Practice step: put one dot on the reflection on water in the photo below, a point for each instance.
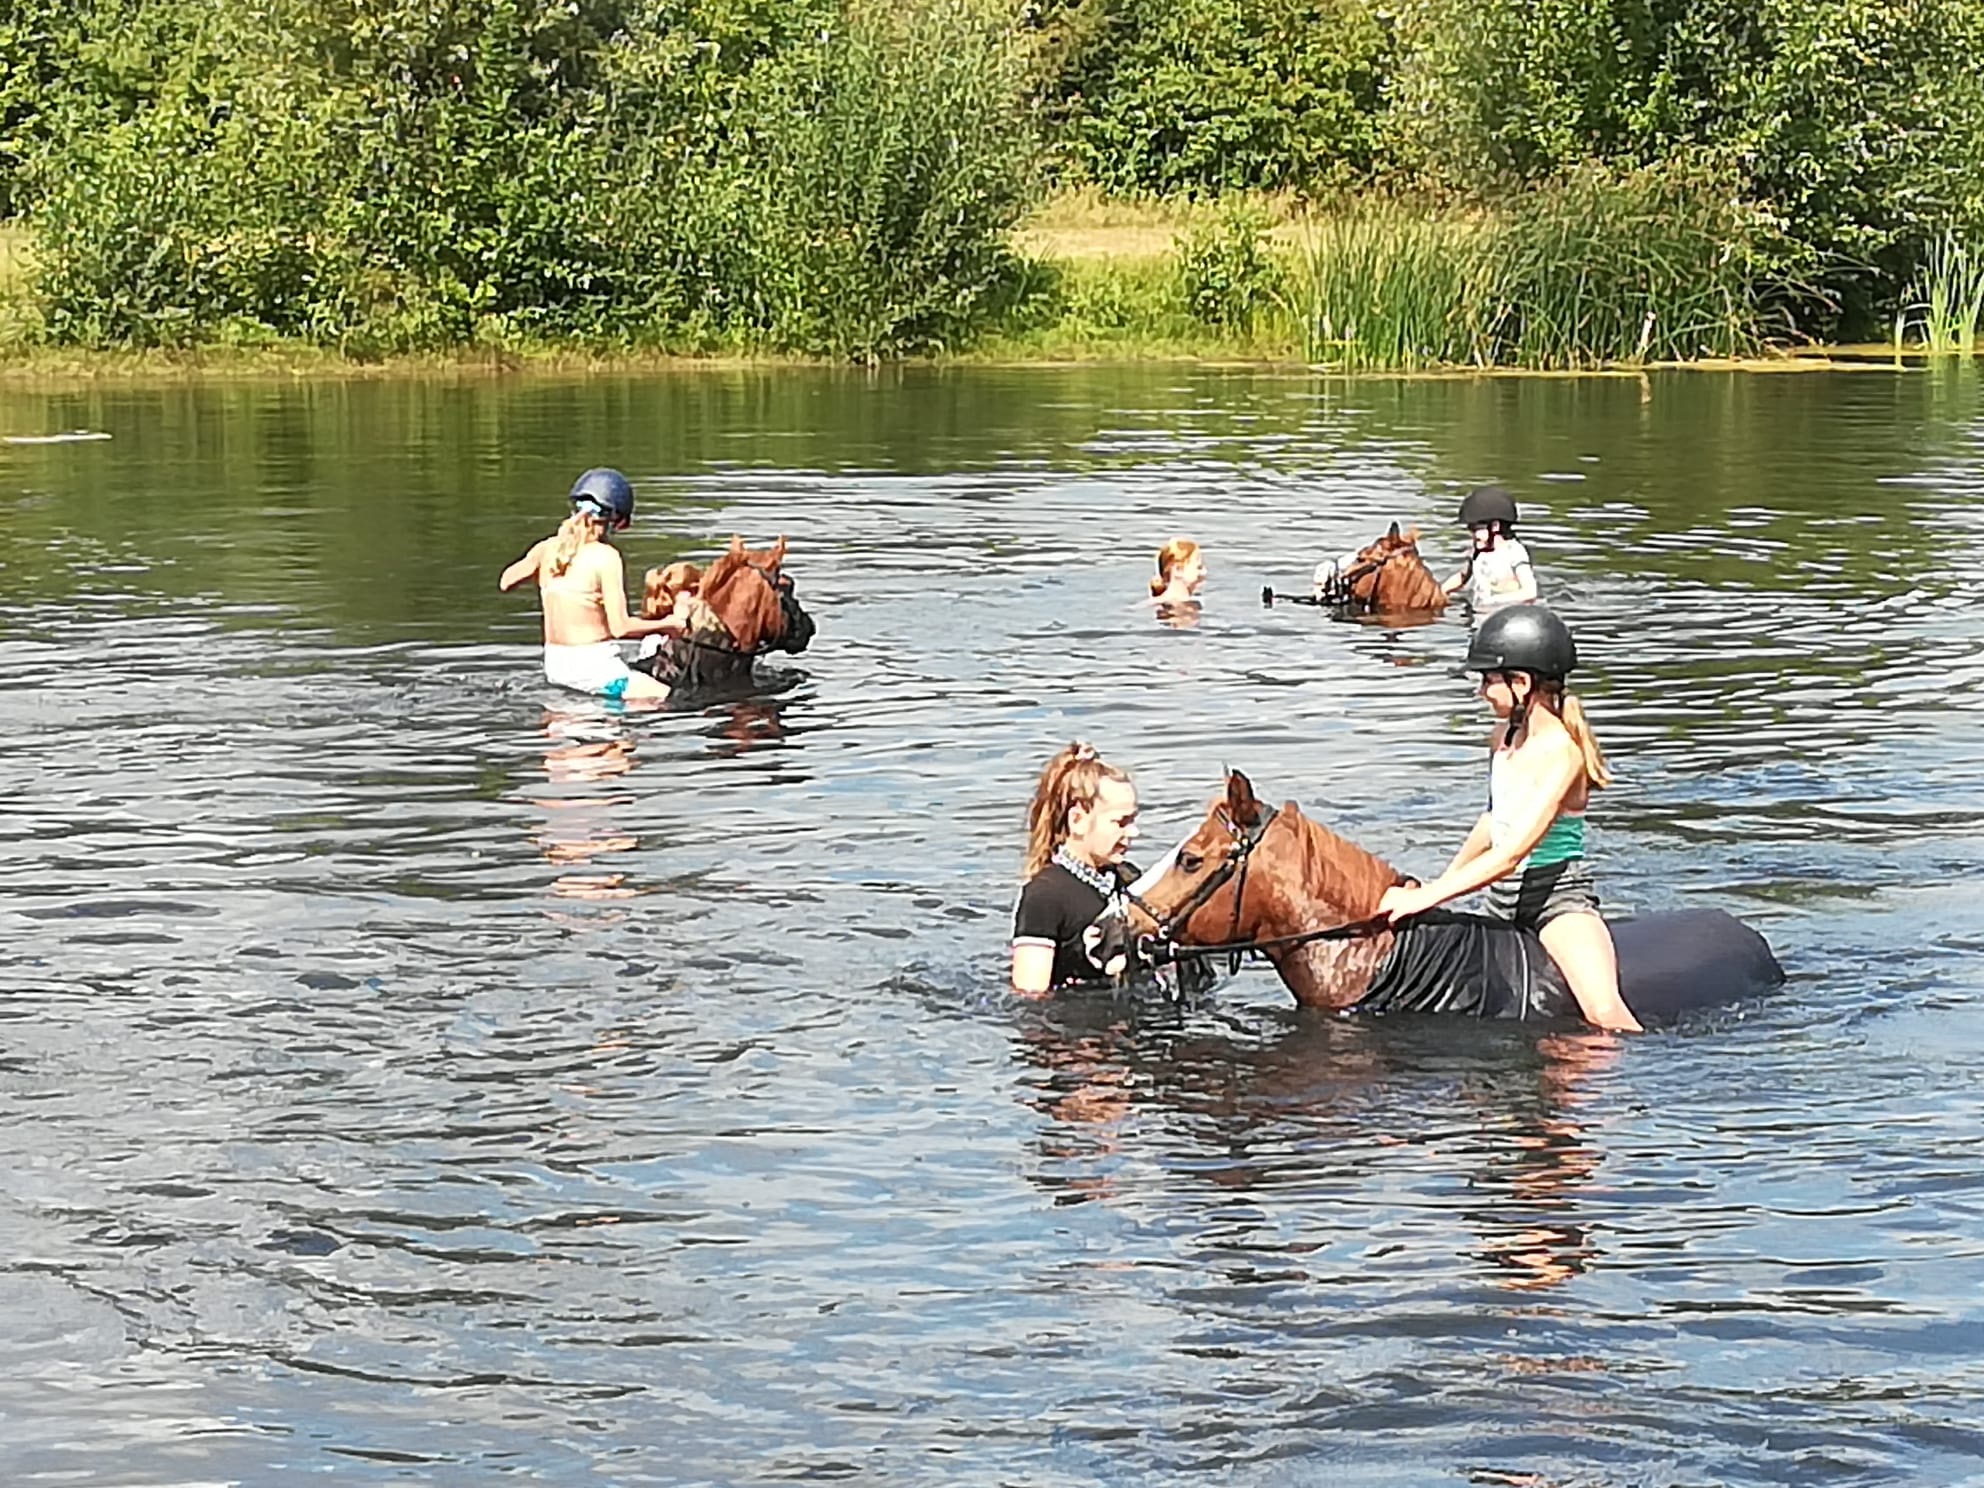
(411, 1074)
(578, 826)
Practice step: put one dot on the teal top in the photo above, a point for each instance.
(1561, 843)
(1564, 841)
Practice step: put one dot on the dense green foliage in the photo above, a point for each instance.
(841, 176)
(1212, 95)
(1858, 125)
(393, 174)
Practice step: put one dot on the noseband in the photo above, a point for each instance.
(1337, 591)
(1235, 862)
(1161, 945)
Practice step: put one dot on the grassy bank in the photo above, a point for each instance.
(1597, 276)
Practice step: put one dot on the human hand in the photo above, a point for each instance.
(1403, 901)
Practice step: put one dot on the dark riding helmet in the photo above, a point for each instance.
(1485, 504)
(605, 494)
(1523, 638)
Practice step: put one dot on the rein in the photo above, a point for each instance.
(733, 649)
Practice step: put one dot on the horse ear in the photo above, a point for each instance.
(1412, 536)
(1240, 801)
(736, 543)
(1394, 532)
(778, 551)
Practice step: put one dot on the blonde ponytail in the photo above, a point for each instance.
(574, 533)
(1597, 773)
(1073, 777)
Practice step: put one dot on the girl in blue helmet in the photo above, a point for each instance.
(582, 585)
(1527, 848)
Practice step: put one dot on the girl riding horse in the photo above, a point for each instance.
(1527, 848)
(582, 586)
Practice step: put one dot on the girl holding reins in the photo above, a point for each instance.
(1527, 848)
(582, 585)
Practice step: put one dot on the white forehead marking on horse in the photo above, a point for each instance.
(1156, 871)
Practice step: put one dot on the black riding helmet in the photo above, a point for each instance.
(1523, 638)
(1485, 504)
(606, 494)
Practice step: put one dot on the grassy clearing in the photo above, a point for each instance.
(1085, 225)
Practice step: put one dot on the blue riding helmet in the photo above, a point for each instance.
(605, 494)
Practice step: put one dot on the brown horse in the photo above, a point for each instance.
(1252, 875)
(1259, 879)
(1386, 578)
(748, 609)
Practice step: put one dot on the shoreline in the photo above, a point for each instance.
(66, 368)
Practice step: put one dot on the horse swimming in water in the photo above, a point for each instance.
(1252, 878)
(748, 608)
(1386, 579)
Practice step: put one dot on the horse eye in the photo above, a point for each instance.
(1190, 862)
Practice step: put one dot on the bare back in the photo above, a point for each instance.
(574, 602)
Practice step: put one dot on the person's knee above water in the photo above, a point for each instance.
(582, 586)
(1081, 823)
(1498, 570)
(1527, 848)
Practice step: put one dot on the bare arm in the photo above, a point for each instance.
(524, 568)
(1033, 968)
(1474, 847)
(613, 602)
(1525, 590)
(1466, 874)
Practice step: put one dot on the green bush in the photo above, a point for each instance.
(883, 170)
(1858, 125)
(398, 174)
(1219, 95)
(1227, 275)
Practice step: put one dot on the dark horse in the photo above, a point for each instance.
(1252, 878)
(748, 608)
(1387, 579)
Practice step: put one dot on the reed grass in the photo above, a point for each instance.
(1945, 301)
(1387, 288)
(1590, 270)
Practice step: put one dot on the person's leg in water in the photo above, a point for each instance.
(1581, 946)
(643, 688)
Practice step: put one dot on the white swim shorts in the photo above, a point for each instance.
(596, 669)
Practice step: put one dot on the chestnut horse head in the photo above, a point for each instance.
(742, 587)
(1388, 577)
(1251, 875)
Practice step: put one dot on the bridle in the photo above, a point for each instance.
(1338, 591)
(1161, 945)
(733, 649)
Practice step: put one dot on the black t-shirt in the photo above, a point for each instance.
(1056, 908)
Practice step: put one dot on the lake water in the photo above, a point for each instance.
(408, 1074)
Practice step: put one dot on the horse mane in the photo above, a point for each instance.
(1401, 580)
(1335, 869)
(740, 585)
